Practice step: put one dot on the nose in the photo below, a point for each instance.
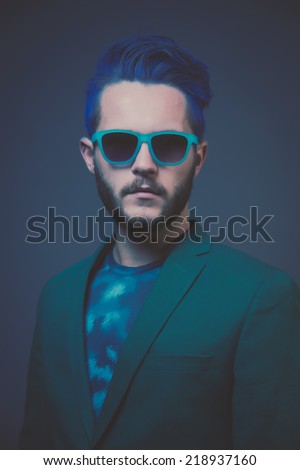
(144, 163)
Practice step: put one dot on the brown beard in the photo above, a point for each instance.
(172, 207)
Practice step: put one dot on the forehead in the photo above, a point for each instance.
(143, 107)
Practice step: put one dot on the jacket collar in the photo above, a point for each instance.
(77, 296)
(179, 272)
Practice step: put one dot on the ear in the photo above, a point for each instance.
(87, 151)
(201, 151)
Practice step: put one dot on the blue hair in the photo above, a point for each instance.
(150, 59)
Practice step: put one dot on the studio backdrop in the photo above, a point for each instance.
(49, 51)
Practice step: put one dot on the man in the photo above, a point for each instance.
(159, 341)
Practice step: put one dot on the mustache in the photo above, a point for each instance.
(137, 184)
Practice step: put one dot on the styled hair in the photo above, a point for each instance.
(150, 59)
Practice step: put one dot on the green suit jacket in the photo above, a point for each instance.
(212, 361)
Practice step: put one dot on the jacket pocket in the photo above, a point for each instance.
(184, 363)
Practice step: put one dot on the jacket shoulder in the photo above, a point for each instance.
(236, 260)
(65, 283)
(246, 271)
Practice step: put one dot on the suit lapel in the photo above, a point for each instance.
(181, 269)
(76, 307)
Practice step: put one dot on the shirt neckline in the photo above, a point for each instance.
(122, 269)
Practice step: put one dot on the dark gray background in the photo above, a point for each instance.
(49, 50)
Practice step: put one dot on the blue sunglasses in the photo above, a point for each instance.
(120, 147)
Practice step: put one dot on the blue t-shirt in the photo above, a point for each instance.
(116, 295)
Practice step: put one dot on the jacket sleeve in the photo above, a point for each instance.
(266, 398)
(34, 433)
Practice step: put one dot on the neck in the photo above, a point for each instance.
(140, 248)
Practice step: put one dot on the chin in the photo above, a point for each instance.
(149, 218)
(146, 212)
(142, 219)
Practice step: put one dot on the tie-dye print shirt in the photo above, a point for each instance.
(116, 296)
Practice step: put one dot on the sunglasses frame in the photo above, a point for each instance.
(141, 138)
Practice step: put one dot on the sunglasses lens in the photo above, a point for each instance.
(169, 148)
(119, 147)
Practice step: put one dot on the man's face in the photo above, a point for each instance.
(144, 108)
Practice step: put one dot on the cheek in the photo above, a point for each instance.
(110, 175)
(173, 177)
(103, 166)
(119, 178)
(186, 171)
